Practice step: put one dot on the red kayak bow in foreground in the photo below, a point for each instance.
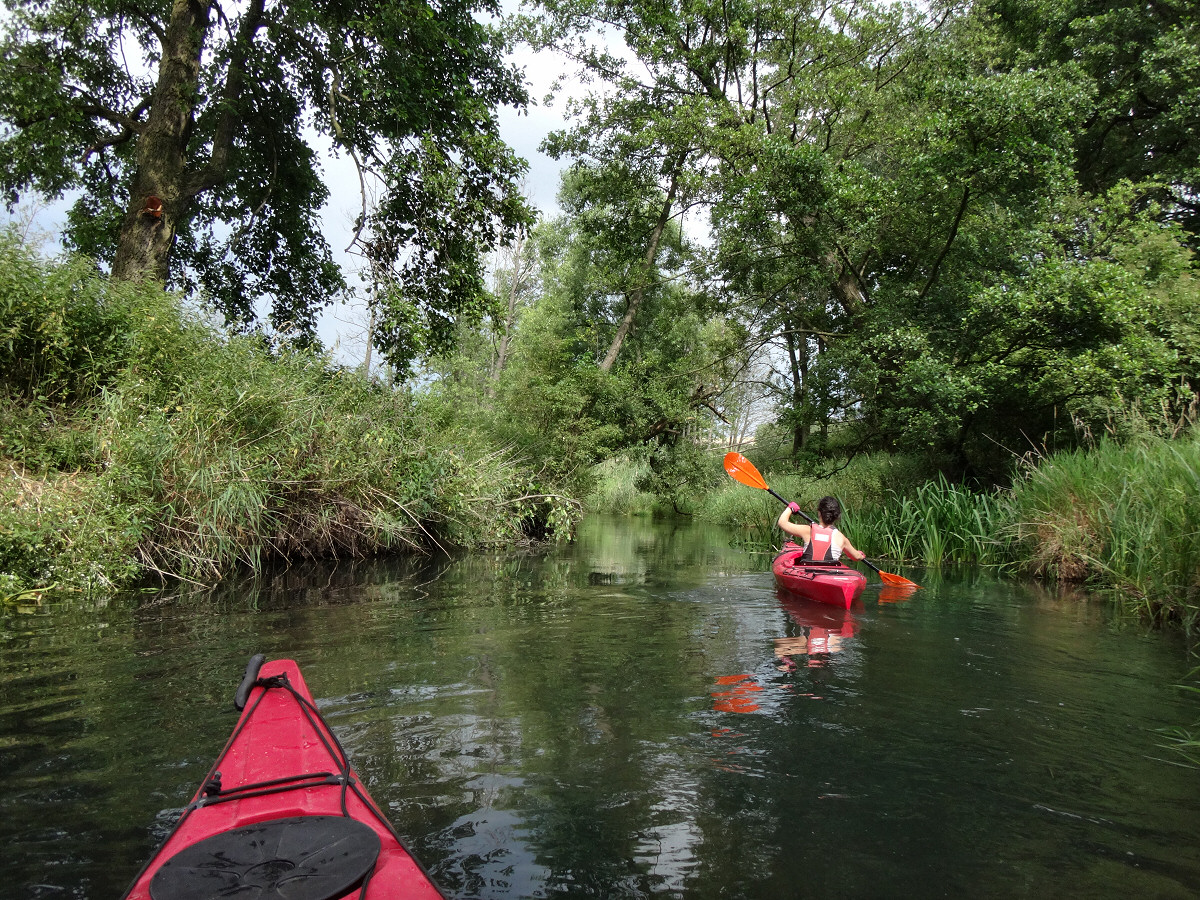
(282, 814)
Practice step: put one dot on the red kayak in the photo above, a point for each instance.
(825, 582)
(282, 814)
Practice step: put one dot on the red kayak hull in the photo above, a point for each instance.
(838, 585)
(283, 762)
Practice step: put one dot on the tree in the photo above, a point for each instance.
(883, 180)
(646, 126)
(187, 131)
(513, 286)
(1141, 63)
(554, 402)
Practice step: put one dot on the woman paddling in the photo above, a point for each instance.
(821, 542)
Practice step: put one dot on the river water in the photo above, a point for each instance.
(636, 714)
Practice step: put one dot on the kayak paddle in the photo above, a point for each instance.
(741, 469)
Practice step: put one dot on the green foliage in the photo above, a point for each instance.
(193, 451)
(61, 531)
(66, 333)
(862, 483)
(211, 109)
(1022, 334)
(254, 455)
(937, 524)
(1140, 64)
(925, 219)
(1125, 515)
(552, 403)
(616, 487)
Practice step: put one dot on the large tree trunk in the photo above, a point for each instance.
(161, 195)
(797, 343)
(639, 289)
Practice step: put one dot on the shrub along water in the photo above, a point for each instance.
(143, 440)
(1123, 515)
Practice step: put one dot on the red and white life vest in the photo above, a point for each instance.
(820, 545)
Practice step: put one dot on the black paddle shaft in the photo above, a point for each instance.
(806, 516)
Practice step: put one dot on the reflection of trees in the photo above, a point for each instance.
(527, 726)
(576, 704)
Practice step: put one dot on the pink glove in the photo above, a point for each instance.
(794, 507)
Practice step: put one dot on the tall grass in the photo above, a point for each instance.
(257, 455)
(937, 524)
(889, 508)
(1125, 516)
(191, 451)
(863, 481)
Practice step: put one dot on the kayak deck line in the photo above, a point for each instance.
(282, 813)
(300, 782)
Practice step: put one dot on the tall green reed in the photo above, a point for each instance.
(1124, 516)
(938, 523)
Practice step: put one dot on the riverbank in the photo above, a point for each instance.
(1121, 516)
(139, 440)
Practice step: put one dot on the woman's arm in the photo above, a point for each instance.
(804, 532)
(849, 549)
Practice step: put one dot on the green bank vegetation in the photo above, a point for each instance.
(894, 245)
(137, 439)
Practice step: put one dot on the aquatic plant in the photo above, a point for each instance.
(1186, 741)
(1125, 516)
(938, 523)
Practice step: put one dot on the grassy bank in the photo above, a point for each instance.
(136, 439)
(1119, 516)
(1126, 516)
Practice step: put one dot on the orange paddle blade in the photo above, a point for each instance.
(898, 580)
(741, 469)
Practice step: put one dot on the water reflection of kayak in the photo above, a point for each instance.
(826, 582)
(823, 630)
(282, 813)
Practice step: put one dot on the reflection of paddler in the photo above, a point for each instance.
(824, 629)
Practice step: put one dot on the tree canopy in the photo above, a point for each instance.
(932, 221)
(188, 133)
(953, 228)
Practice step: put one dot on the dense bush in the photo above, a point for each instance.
(142, 440)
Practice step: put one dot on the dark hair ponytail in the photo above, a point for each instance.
(830, 511)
